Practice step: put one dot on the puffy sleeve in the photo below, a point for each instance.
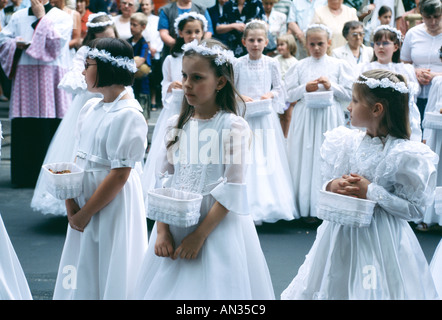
(405, 180)
(127, 140)
(73, 81)
(232, 191)
(336, 151)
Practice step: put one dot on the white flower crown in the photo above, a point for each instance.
(192, 14)
(257, 21)
(383, 83)
(91, 24)
(222, 55)
(389, 28)
(105, 56)
(320, 26)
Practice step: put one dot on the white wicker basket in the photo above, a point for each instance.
(345, 210)
(318, 99)
(63, 185)
(432, 120)
(174, 207)
(258, 108)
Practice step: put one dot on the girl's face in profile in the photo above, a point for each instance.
(192, 30)
(199, 82)
(90, 74)
(360, 113)
(317, 43)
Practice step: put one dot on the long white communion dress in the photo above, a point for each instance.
(407, 70)
(269, 189)
(13, 283)
(172, 71)
(433, 135)
(62, 147)
(230, 264)
(383, 260)
(103, 261)
(311, 120)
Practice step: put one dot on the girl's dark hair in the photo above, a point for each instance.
(226, 98)
(380, 34)
(430, 7)
(91, 32)
(349, 25)
(383, 10)
(396, 110)
(107, 73)
(177, 47)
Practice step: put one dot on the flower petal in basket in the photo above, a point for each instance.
(174, 207)
(318, 99)
(345, 210)
(63, 185)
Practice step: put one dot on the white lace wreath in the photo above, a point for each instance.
(320, 26)
(91, 24)
(120, 62)
(383, 83)
(389, 28)
(222, 55)
(262, 22)
(192, 14)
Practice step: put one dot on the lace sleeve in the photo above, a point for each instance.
(405, 180)
(232, 192)
(127, 139)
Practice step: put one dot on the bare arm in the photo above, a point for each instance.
(105, 193)
(191, 245)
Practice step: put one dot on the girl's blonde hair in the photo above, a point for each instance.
(255, 25)
(396, 110)
(290, 41)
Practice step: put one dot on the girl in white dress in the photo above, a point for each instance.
(286, 46)
(433, 133)
(13, 283)
(387, 47)
(432, 136)
(380, 166)
(62, 148)
(321, 85)
(258, 80)
(189, 26)
(107, 233)
(220, 256)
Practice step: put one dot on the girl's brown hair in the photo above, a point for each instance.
(389, 35)
(396, 109)
(227, 98)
